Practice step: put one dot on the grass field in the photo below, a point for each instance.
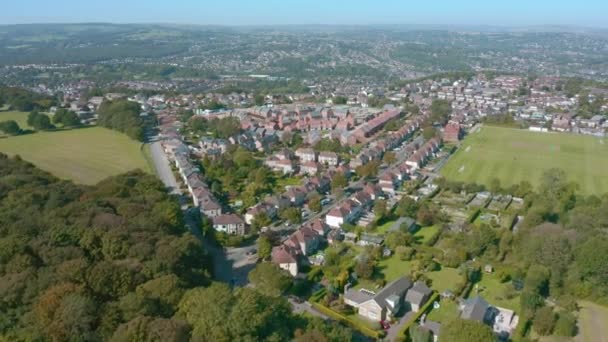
(19, 117)
(85, 155)
(492, 290)
(445, 279)
(514, 155)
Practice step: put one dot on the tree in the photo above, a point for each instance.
(440, 111)
(339, 181)
(10, 127)
(368, 170)
(396, 238)
(260, 221)
(67, 118)
(565, 325)
(264, 247)
(259, 99)
(460, 330)
(364, 267)
(145, 328)
(495, 185)
(122, 115)
(429, 132)
(292, 215)
(404, 253)
(544, 320)
(591, 259)
(427, 214)
(315, 204)
(380, 209)
(418, 334)
(269, 279)
(389, 157)
(407, 207)
(39, 121)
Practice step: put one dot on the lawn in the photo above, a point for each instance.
(514, 155)
(388, 269)
(448, 309)
(85, 155)
(592, 322)
(492, 290)
(19, 117)
(445, 279)
(426, 233)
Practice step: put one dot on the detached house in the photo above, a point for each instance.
(382, 305)
(285, 260)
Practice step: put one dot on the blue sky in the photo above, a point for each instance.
(271, 12)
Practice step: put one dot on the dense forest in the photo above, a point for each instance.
(114, 262)
(123, 116)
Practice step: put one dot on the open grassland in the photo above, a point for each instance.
(514, 155)
(19, 117)
(85, 155)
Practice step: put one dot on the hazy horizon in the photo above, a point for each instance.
(473, 13)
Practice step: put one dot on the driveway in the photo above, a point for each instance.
(393, 331)
(305, 307)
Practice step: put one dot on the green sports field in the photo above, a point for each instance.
(85, 155)
(514, 155)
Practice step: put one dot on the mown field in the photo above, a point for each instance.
(85, 155)
(514, 155)
(19, 117)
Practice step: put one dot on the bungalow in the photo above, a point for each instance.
(379, 306)
(229, 223)
(502, 321)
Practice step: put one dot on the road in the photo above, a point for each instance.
(163, 168)
(231, 267)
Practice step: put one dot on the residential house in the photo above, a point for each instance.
(329, 158)
(452, 132)
(285, 259)
(229, 223)
(417, 295)
(306, 155)
(309, 168)
(382, 305)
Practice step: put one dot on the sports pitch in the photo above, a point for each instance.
(514, 155)
(85, 155)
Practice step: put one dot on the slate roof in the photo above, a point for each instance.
(475, 309)
(418, 293)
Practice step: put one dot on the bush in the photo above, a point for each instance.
(405, 253)
(565, 325)
(343, 319)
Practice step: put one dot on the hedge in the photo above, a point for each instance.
(317, 295)
(425, 308)
(343, 319)
(473, 215)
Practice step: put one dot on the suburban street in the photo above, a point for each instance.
(163, 168)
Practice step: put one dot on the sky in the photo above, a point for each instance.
(589, 13)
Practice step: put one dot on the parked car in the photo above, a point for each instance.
(385, 325)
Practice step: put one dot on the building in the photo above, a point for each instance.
(452, 132)
(418, 295)
(285, 259)
(229, 223)
(306, 155)
(329, 158)
(382, 305)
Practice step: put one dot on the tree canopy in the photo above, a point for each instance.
(122, 115)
